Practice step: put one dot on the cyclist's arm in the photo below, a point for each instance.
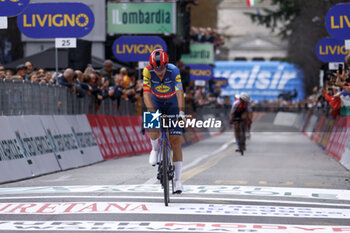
(147, 96)
(179, 93)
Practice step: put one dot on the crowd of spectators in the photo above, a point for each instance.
(334, 97)
(125, 84)
(102, 84)
(206, 35)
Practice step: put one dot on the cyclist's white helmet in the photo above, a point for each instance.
(245, 97)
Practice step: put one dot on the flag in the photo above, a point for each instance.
(251, 2)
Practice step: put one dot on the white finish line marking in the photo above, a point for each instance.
(329, 194)
(155, 226)
(60, 208)
(181, 198)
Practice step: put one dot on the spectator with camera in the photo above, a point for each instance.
(67, 80)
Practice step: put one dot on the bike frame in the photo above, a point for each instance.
(164, 160)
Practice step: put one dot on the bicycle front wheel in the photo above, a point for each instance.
(165, 175)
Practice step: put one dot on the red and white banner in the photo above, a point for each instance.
(119, 121)
(339, 136)
(100, 137)
(118, 137)
(107, 132)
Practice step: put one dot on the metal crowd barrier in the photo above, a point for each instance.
(19, 97)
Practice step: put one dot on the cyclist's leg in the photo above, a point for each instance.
(154, 136)
(236, 123)
(175, 143)
(245, 117)
(250, 121)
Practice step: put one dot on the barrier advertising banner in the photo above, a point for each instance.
(12, 7)
(331, 50)
(64, 143)
(13, 163)
(118, 137)
(145, 146)
(338, 138)
(329, 126)
(136, 48)
(141, 18)
(35, 144)
(338, 21)
(260, 79)
(100, 137)
(107, 132)
(345, 158)
(56, 20)
(85, 138)
(122, 127)
(129, 129)
(310, 126)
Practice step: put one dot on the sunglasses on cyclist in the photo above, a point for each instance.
(160, 68)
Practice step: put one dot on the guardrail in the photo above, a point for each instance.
(19, 97)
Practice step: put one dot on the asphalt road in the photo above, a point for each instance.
(283, 183)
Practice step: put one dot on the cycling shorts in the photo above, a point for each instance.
(170, 108)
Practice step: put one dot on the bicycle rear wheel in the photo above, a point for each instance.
(241, 138)
(165, 175)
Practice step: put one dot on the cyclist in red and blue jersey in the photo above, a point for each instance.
(241, 109)
(162, 90)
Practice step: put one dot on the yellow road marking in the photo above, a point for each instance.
(199, 169)
(232, 182)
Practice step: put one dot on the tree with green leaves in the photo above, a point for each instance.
(302, 24)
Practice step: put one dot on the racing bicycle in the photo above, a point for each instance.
(241, 135)
(166, 166)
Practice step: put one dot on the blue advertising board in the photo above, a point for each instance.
(331, 50)
(338, 21)
(136, 48)
(200, 72)
(223, 82)
(12, 7)
(261, 80)
(56, 20)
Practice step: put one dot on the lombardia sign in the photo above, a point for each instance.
(141, 18)
(53, 20)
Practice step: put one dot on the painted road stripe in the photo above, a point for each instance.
(329, 194)
(180, 198)
(170, 226)
(60, 208)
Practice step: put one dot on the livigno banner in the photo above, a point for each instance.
(12, 7)
(136, 48)
(331, 50)
(202, 53)
(338, 21)
(141, 18)
(56, 20)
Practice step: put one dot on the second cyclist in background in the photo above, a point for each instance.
(241, 111)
